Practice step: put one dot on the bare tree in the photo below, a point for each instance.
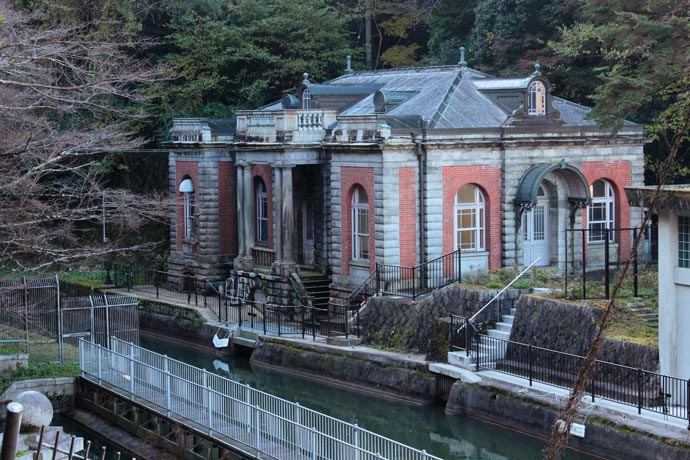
(67, 101)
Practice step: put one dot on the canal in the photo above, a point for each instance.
(423, 427)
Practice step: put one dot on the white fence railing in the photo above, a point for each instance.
(261, 421)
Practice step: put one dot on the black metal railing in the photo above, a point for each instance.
(365, 290)
(627, 385)
(464, 335)
(410, 281)
(190, 289)
(272, 319)
(591, 258)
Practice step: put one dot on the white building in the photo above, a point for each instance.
(674, 275)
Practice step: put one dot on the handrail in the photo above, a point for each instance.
(298, 288)
(359, 289)
(418, 285)
(473, 317)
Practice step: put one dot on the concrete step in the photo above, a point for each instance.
(460, 359)
(504, 327)
(244, 341)
(499, 334)
(641, 310)
(513, 311)
(508, 318)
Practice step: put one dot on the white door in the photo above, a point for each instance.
(535, 226)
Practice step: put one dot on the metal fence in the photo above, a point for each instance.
(29, 316)
(187, 288)
(97, 318)
(634, 387)
(410, 281)
(592, 258)
(307, 321)
(226, 408)
(36, 319)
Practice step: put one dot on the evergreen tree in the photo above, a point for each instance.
(245, 53)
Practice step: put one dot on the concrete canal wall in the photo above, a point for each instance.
(608, 434)
(420, 329)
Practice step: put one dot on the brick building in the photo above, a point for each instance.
(400, 167)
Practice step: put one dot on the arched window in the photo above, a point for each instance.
(469, 218)
(187, 190)
(360, 224)
(261, 212)
(306, 99)
(537, 98)
(601, 213)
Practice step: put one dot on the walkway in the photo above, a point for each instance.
(650, 422)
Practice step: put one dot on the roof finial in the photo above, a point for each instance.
(537, 72)
(305, 77)
(462, 62)
(348, 69)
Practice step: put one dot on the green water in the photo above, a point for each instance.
(422, 427)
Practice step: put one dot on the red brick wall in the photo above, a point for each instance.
(184, 169)
(617, 173)
(408, 216)
(349, 177)
(227, 208)
(266, 174)
(488, 178)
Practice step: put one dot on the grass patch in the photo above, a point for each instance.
(39, 371)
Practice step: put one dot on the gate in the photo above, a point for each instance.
(28, 316)
(97, 318)
(36, 319)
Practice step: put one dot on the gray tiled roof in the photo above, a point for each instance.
(446, 97)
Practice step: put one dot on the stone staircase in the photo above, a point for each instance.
(318, 288)
(502, 331)
(646, 313)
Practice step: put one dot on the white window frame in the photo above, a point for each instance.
(537, 98)
(187, 190)
(360, 233)
(261, 212)
(607, 205)
(683, 241)
(306, 99)
(476, 210)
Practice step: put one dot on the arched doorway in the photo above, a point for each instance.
(546, 207)
(535, 231)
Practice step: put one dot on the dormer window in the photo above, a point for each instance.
(537, 98)
(306, 99)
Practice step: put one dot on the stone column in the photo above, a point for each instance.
(288, 216)
(242, 247)
(278, 225)
(249, 211)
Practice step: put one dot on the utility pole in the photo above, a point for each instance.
(367, 32)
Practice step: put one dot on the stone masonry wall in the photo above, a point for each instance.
(413, 325)
(570, 328)
(422, 326)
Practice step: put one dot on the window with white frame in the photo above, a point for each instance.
(470, 223)
(360, 224)
(306, 99)
(537, 98)
(261, 212)
(601, 214)
(187, 190)
(684, 241)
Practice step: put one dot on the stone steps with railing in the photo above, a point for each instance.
(485, 350)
